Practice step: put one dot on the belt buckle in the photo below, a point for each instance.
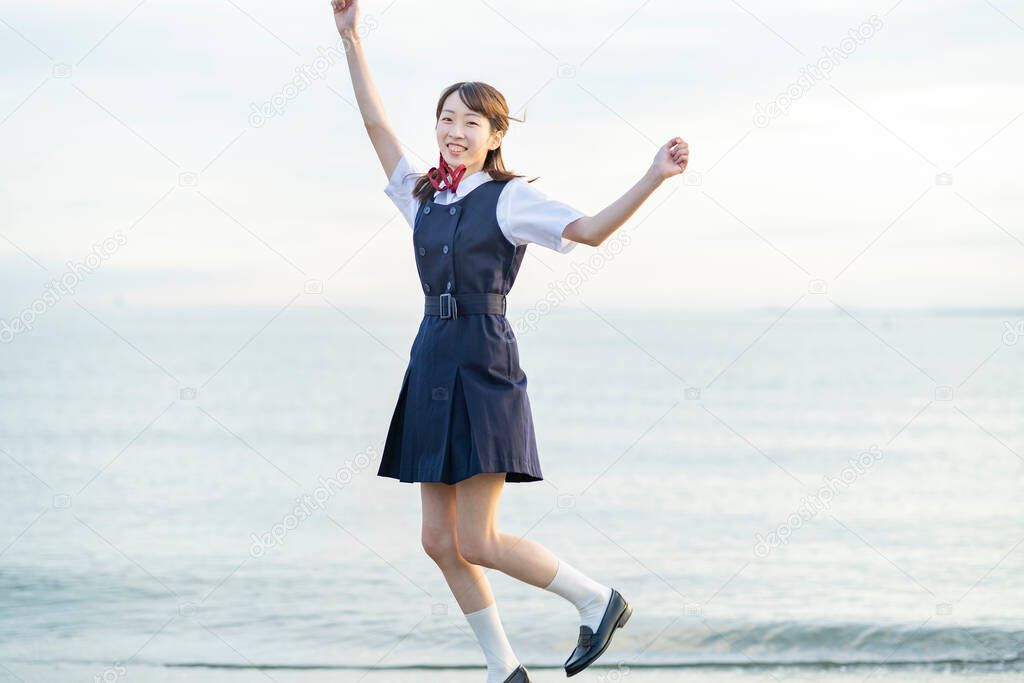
(453, 307)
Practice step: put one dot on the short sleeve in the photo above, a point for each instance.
(526, 214)
(400, 187)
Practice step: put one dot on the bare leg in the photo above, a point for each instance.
(467, 581)
(482, 543)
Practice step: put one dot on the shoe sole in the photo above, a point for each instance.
(623, 618)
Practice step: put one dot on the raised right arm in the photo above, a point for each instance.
(385, 142)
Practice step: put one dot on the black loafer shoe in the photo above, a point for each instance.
(518, 676)
(592, 645)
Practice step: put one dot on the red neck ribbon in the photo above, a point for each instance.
(444, 176)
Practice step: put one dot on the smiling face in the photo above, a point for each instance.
(464, 136)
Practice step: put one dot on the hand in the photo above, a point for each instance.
(346, 13)
(671, 159)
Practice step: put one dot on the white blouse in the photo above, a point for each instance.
(524, 213)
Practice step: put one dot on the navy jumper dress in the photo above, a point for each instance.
(463, 407)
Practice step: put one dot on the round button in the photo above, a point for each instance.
(445, 248)
(426, 209)
(422, 251)
(452, 211)
(426, 287)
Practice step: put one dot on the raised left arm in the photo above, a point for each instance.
(670, 160)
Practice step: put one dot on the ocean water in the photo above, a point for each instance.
(811, 495)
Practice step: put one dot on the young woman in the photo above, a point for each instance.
(462, 425)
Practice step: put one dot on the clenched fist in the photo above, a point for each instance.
(346, 13)
(671, 159)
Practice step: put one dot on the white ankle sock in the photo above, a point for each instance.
(501, 661)
(590, 597)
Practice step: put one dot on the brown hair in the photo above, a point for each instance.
(487, 101)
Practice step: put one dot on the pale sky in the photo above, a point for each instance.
(104, 105)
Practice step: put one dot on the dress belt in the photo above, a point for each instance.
(449, 305)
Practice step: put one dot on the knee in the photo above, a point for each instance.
(439, 545)
(479, 550)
